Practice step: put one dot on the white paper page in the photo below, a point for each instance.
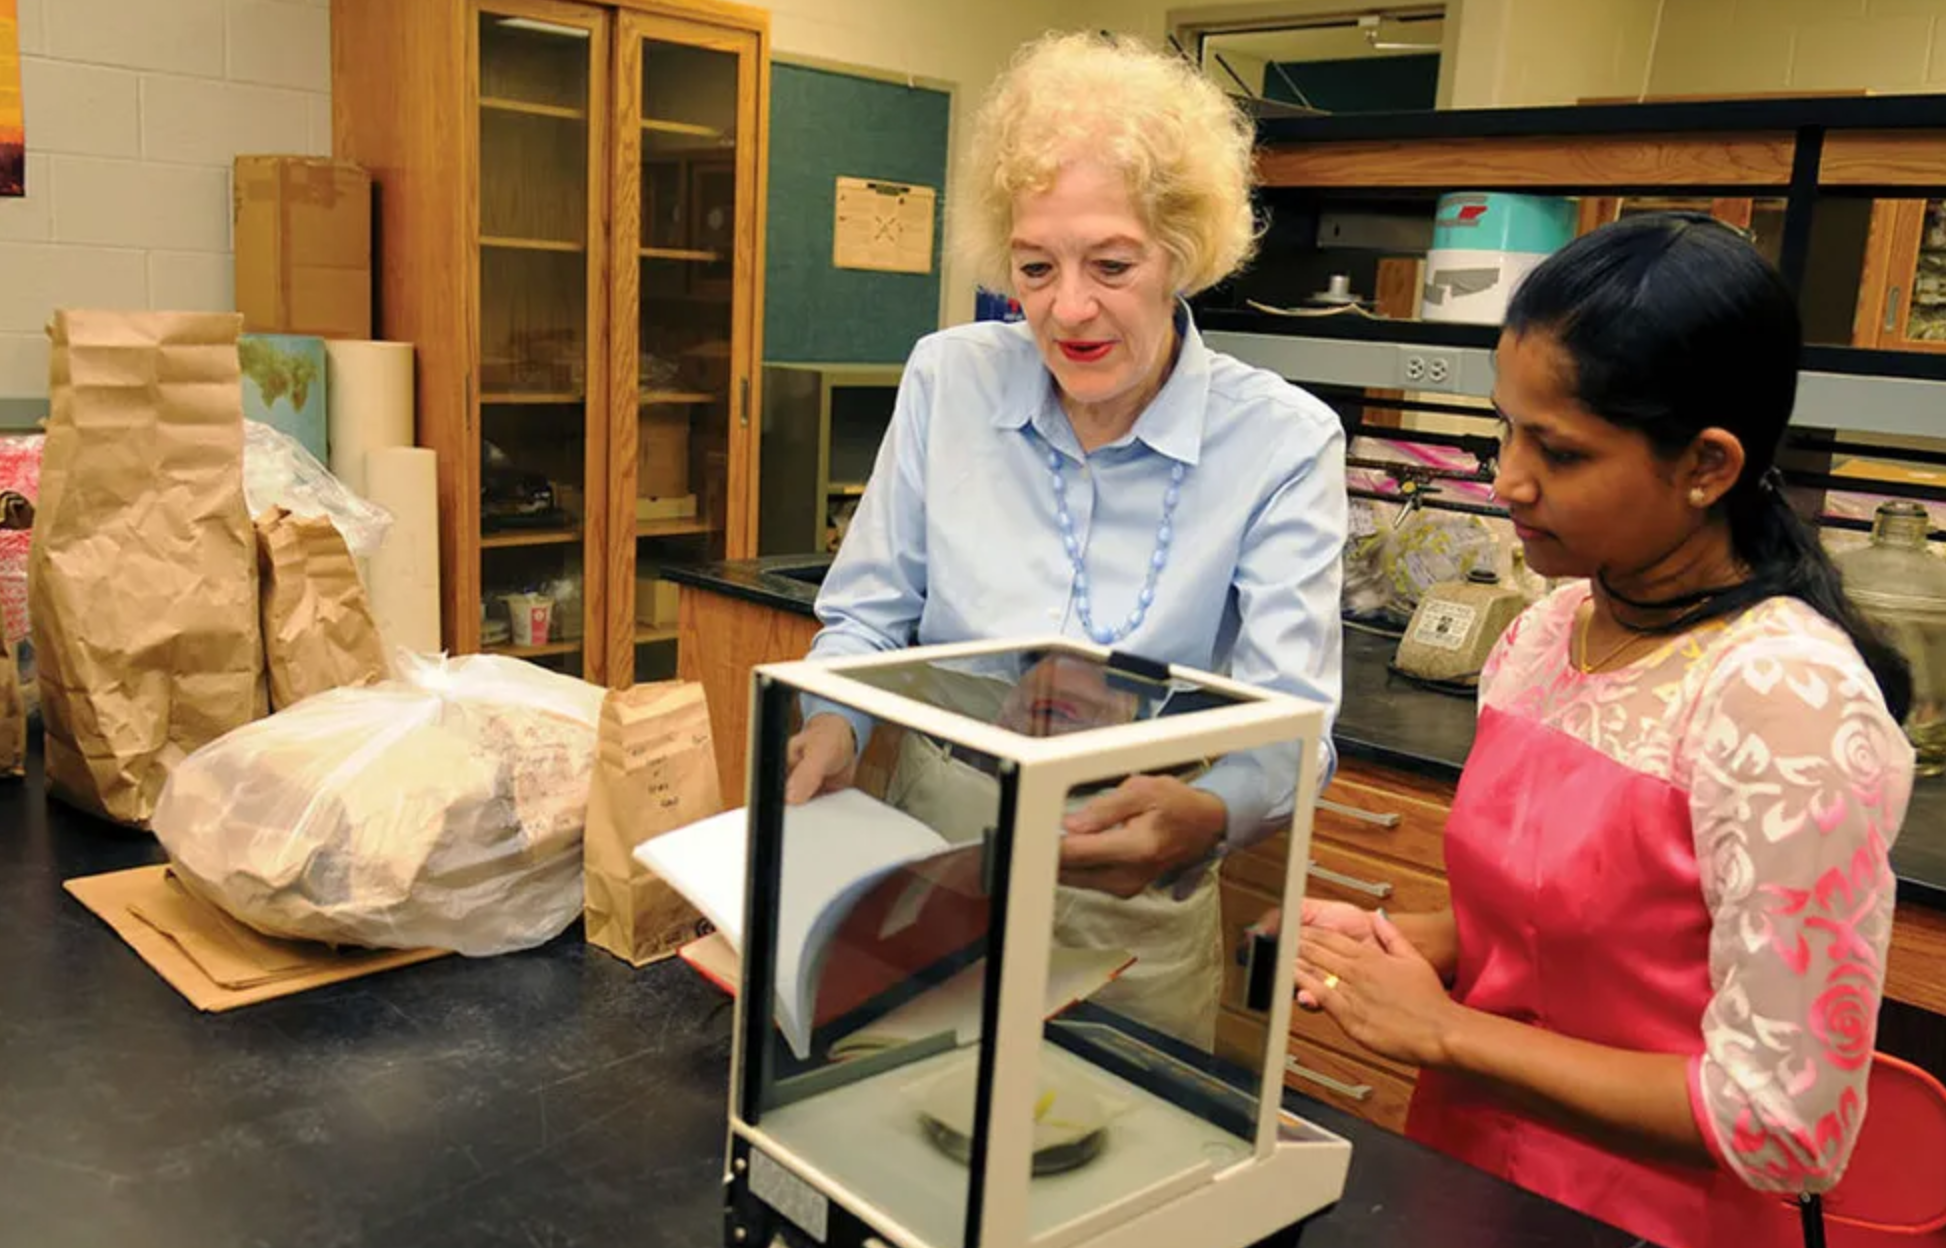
(832, 845)
(705, 863)
(835, 848)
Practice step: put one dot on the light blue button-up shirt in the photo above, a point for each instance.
(956, 537)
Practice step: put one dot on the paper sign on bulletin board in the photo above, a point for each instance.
(883, 225)
(13, 139)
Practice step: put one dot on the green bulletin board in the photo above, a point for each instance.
(825, 125)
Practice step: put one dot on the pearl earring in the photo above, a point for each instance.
(1696, 497)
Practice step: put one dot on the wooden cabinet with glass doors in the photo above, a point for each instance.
(685, 320)
(1902, 299)
(570, 232)
(1893, 250)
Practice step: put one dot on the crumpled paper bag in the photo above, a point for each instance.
(142, 574)
(13, 713)
(317, 623)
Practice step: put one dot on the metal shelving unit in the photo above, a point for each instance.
(1882, 403)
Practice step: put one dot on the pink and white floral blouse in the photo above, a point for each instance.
(1684, 855)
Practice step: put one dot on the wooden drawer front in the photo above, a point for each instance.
(1342, 875)
(1315, 1027)
(1915, 970)
(1368, 882)
(1240, 1038)
(1392, 780)
(1374, 1093)
(1382, 821)
(1261, 867)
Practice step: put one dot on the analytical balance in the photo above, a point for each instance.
(946, 1039)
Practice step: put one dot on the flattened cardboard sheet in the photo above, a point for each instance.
(209, 957)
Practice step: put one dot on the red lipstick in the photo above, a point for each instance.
(1085, 352)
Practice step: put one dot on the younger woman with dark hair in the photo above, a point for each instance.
(1670, 893)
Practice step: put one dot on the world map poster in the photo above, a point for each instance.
(13, 130)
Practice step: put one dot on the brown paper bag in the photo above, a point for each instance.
(655, 771)
(142, 576)
(317, 623)
(13, 713)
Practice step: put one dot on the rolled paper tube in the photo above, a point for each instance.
(369, 404)
(404, 573)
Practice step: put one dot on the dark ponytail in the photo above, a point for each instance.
(1786, 558)
(1675, 325)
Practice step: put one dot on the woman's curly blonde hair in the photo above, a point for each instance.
(1183, 145)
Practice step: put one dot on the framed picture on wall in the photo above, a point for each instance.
(13, 123)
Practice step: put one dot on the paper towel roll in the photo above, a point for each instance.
(404, 573)
(369, 405)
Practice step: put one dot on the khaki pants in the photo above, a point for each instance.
(1177, 980)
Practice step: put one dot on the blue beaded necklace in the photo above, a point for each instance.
(1164, 534)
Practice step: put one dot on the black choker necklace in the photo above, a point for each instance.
(1683, 604)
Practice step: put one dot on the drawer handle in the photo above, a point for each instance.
(1380, 889)
(1356, 1091)
(1388, 819)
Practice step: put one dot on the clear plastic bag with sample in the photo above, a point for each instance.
(279, 472)
(443, 809)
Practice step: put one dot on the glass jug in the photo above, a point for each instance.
(1901, 586)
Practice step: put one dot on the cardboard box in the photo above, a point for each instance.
(681, 507)
(655, 602)
(303, 246)
(662, 453)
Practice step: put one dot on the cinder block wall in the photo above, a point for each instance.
(1887, 46)
(134, 111)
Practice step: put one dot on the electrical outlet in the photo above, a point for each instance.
(1428, 368)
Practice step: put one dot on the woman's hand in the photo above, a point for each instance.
(1383, 993)
(1335, 916)
(1315, 914)
(1129, 837)
(1347, 920)
(822, 758)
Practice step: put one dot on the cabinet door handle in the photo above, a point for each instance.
(1382, 819)
(1380, 889)
(1892, 308)
(743, 402)
(1356, 1091)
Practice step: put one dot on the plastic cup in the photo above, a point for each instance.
(531, 616)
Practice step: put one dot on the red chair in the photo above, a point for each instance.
(1893, 1194)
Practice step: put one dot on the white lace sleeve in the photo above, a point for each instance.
(1799, 780)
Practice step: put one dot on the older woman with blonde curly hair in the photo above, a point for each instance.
(1099, 471)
